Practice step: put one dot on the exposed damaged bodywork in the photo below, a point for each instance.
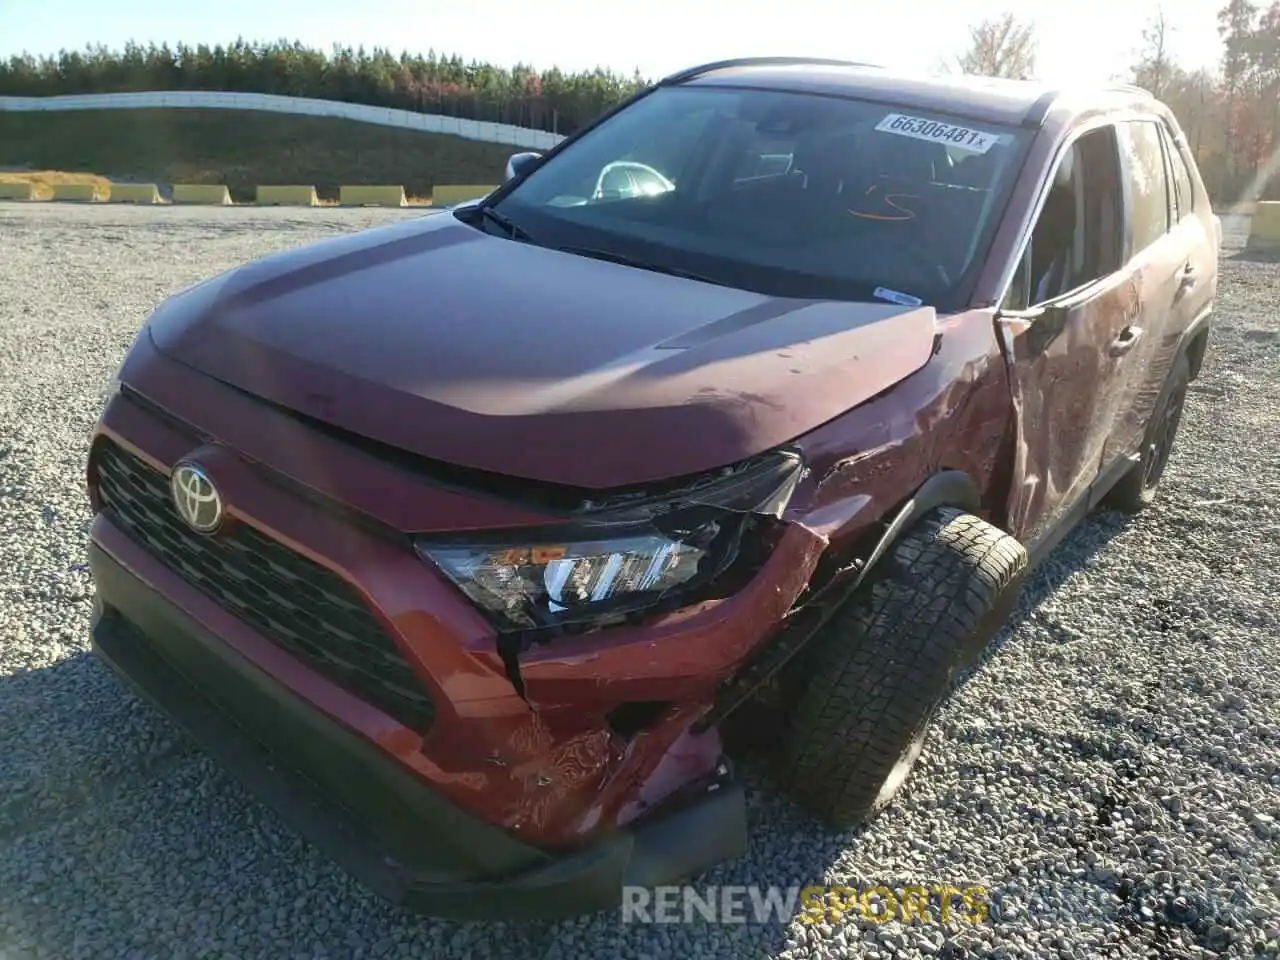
(690, 544)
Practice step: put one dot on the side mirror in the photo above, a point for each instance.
(522, 163)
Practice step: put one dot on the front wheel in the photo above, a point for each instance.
(873, 677)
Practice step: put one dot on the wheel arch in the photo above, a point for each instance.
(1195, 341)
(946, 488)
(953, 488)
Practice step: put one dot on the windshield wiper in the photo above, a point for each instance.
(625, 260)
(513, 229)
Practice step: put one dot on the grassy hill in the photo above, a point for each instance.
(243, 149)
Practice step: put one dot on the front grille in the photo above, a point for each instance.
(299, 605)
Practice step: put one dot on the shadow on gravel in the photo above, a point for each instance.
(1248, 255)
(121, 839)
(1070, 556)
(162, 838)
(1155, 921)
(782, 833)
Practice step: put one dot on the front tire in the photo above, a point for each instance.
(872, 679)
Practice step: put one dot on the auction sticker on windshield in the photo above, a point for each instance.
(934, 131)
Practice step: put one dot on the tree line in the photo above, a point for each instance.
(544, 100)
(1231, 115)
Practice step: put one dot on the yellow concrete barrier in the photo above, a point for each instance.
(442, 195)
(286, 196)
(1264, 230)
(369, 196)
(82, 192)
(134, 193)
(17, 191)
(209, 193)
(1245, 209)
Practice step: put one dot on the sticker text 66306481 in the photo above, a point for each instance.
(935, 131)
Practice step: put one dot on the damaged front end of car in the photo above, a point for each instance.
(620, 625)
(624, 559)
(579, 650)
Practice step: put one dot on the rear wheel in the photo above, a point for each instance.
(872, 679)
(1137, 488)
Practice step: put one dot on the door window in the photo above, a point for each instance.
(1076, 239)
(1183, 194)
(1143, 157)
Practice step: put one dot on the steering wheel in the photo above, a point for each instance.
(631, 168)
(907, 257)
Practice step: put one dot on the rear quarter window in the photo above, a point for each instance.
(1183, 191)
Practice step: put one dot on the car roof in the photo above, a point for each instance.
(996, 100)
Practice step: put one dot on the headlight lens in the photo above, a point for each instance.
(615, 561)
(529, 586)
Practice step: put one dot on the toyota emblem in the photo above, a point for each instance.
(196, 498)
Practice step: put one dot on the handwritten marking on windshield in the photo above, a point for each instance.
(889, 199)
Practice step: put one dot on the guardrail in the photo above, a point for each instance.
(209, 194)
(444, 194)
(303, 106)
(1244, 209)
(266, 195)
(291, 195)
(17, 191)
(1264, 229)
(78, 192)
(134, 193)
(367, 195)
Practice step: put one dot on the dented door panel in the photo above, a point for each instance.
(1063, 379)
(1143, 359)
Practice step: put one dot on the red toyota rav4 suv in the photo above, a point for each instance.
(460, 539)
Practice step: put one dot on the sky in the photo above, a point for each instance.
(1079, 41)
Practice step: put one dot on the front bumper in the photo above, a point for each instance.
(372, 816)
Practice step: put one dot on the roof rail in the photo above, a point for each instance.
(691, 72)
(1039, 110)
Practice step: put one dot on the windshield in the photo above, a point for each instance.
(788, 194)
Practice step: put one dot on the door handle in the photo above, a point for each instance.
(1124, 343)
(1187, 276)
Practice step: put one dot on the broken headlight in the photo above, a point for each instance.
(530, 586)
(619, 557)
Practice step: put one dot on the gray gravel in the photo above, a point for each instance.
(1112, 775)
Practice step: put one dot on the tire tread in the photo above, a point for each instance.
(879, 668)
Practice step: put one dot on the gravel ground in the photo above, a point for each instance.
(1112, 775)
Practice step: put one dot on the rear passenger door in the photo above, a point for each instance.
(1161, 256)
(1195, 230)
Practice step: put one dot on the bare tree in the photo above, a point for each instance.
(1001, 47)
(1154, 66)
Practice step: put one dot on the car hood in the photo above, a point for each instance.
(501, 356)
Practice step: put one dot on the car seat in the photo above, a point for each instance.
(1052, 241)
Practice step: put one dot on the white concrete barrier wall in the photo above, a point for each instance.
(273, 103)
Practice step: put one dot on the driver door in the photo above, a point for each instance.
(1063, 332)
